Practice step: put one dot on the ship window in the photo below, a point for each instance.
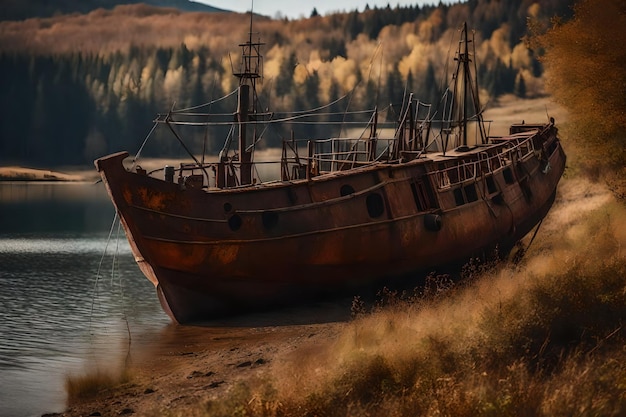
(508, 175)
(375, 205)
(270, 219)
(346, 190)
(234, 222)
(227, 207)
(458, 197)
(420, 196)
(470, 193)
(491, 185)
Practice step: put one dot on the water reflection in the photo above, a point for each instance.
(41, 207)
(66, 309)
(58, 313)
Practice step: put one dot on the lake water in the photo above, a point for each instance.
(66, 305)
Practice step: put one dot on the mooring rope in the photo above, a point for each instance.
(95, 288)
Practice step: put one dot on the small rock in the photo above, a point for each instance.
(244, 364)
(127, 411)
(210, 373)
(195, 374)
(260, 361)
(148, 391)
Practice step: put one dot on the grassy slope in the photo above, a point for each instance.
(541, 338)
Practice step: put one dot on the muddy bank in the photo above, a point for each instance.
(183, 367)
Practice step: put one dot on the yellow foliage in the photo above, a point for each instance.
(584, 61)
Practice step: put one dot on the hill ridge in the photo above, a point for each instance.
(20, 10)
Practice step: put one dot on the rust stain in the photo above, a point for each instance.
(227, 254)
(154, 200)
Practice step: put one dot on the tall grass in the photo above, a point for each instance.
(93, 383)
(544, 337)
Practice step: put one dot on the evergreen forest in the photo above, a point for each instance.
(77, 86)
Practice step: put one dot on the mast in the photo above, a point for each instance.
(470, 94)
(465, 59)
(249, 72)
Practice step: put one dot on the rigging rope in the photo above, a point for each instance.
(204, 104)
(144, 143)
(95, 288)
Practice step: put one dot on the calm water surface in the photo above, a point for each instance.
(58, 315)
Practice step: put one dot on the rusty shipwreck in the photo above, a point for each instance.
(434, 188)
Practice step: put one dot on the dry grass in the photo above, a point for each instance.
(543, 337)
(94, 383)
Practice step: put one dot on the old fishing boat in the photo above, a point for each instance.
(215, 238)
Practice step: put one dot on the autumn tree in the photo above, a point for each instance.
(584, 71)
(76, 86)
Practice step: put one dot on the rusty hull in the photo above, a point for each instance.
(222, 251)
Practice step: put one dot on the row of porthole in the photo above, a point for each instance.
(269, 219)
(374, 203)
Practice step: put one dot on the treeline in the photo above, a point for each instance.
(19, 9)
(76, 87)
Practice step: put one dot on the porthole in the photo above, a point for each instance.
(270, 219)
(234, 222)
(227, 207)
(346, 190)
(375, 205)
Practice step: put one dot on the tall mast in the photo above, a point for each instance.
(465, 60)
(470, 95)
(250, 71)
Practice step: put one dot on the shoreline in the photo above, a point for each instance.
(187, 366)
(23, 174)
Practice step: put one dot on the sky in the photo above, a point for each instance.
(295, 9)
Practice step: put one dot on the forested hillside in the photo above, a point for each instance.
(77, 86)
(21, 9)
